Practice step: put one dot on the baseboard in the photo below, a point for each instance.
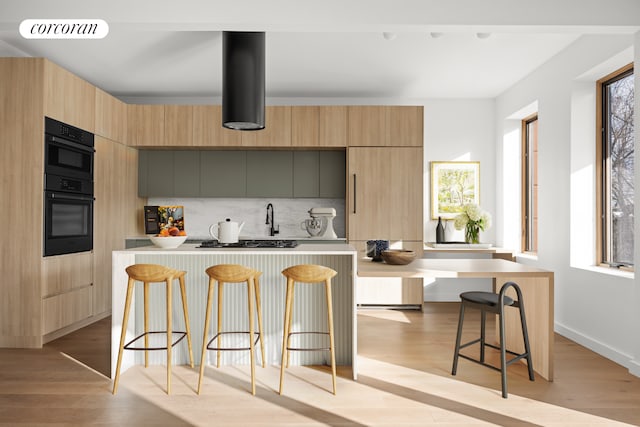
(604, 350)
(72, 328)
(634, 368)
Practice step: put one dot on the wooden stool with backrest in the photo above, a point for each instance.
(147, 274)
(494, 303)
(309, 274)
(233, 273)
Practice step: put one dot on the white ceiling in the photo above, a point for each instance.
(317, 50)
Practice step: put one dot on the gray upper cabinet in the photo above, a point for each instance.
(186, 173)
(223, 173)
(242, 173)
(332, 174)
(306, 176)
(159, 178)
(269, 173)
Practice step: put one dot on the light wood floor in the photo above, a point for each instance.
(404, 379)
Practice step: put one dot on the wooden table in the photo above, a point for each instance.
(536, 285)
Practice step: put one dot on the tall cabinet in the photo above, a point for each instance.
(385, 199)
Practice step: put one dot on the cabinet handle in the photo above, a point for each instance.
(354, 193)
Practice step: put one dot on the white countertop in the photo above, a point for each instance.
(297, 238)
(302, 248)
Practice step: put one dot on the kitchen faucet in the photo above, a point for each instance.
(272, 230)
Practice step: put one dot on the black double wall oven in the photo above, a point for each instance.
(68, 189)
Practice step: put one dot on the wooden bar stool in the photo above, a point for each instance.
(232, 273)
(147, 274)
(310, 274)
(494, 303)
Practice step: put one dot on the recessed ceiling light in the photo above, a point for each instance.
(483, 36)
(389, 36)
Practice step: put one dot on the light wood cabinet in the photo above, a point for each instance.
(208, 130)
(68, 98)
(333, 126)
(375, 126)
(145, 125)
(67, 289)
(64, 273)
(385, 193)
(178, 125)
(277, 131)
(117, 213)
(305, 127)
(21, 188)
(111, 117)
(385, 202)
(319, 126)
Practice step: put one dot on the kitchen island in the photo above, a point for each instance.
(309, 304)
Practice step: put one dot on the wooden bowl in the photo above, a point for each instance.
(398, 256)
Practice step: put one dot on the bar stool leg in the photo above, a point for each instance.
(259, 309)
(146, 322)
(483, 324)
(525, 337)
(207, 321)
(293, 290)
(183, 294)
(169, 334)
(287, 316)
(125, 320)
(503, 353)
(252, 357)
(456, 351)
(331, 337)
(219, 325)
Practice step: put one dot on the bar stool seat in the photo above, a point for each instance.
(233, 273)
(148, 274)
(308, 274)
(493, 303)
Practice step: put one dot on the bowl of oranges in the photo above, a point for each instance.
(169, 238)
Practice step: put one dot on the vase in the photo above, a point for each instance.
(472, 233)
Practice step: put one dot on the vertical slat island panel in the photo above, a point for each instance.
(309, 302)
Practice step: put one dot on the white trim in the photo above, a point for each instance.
(612, 354)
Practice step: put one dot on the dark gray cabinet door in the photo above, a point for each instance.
(223, 173)
(332, 174)
(306, 174)
(186, 173)
(269, 174)
(143, 170)
(160, 174)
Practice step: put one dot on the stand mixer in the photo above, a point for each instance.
(321, 223)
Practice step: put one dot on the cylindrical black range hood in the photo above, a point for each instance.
(243, 80)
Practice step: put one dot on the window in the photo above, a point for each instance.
(616, 168)
(530, 184)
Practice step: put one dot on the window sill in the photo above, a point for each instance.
(608, 271)
(527, 255)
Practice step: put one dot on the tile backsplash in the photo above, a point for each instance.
(200, 213)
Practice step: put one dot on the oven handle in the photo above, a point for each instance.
(71, 144)
(67, 196)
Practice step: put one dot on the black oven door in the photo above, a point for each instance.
(68, 158)
(68, 223)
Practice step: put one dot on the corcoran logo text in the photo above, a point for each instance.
(64, 29)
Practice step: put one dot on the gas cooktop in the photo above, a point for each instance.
(250, 244)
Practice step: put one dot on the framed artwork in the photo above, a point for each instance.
(453, 185)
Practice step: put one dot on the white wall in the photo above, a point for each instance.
(592, 307)
(459, 130)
